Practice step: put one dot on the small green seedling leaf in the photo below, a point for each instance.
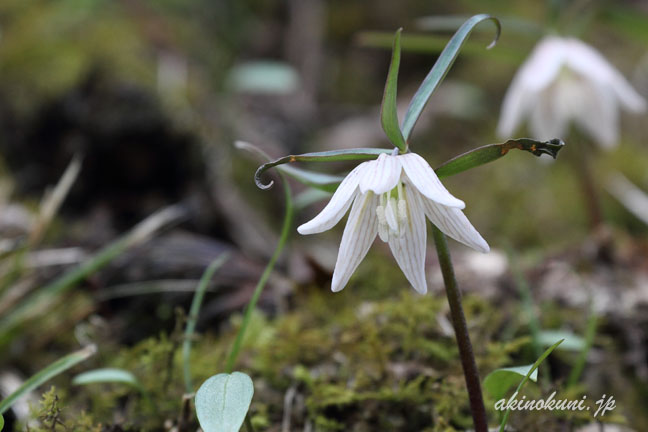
(1, 422)
(498, 382)
(440, 70)
(325, 156)
(388, 113)
(527, 377)
(491, 152)
(106, 375)
(44, 375)
(572, 342)
(223, 401)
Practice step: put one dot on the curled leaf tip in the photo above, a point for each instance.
(259, 182)
(497, 34)
(551, 148)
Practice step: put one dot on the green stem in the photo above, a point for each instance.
(581, 158)
(468, 364)
(285, 231)
(196, 303)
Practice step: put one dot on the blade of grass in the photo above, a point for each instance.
(527, 305)
(283, 238)
(149, 287)
(388, 114)
(526, 378)
(196, 303)
(590, 333)
(52, 200)
(34, 304)
(48, 373)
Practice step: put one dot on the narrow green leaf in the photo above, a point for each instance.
(572, 342)
(434, 44)
(491, 152)
(1, 422)
(590, 334)
(527, 377)
(196, 303)
(323, 182)
(463, 162)
(106, 375)
(388, 113)
(113, 375)
(498, 382)
(249, 309)
(34, 304)
(44, 375)
(453, 22)
(223, 401)
(440, 69)
(325, 156)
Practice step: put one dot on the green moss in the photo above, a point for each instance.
(52, 417)
(373, 357)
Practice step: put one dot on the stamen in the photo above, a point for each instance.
(402, 204)
(383, 231)
(402, 211)
(390, 215)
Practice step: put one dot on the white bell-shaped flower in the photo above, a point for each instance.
(566, 80)
(391, 197)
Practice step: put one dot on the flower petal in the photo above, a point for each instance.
(587, 61)
(409, 247)
(337, 206)
(552, 111)
(599, 116)
(381, 175)
(423, 178)
(517, 103)
(538, 72)
(543, 65)
(359, 233)
(454, 223)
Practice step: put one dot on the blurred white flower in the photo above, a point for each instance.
(391, 197)
(565, 79)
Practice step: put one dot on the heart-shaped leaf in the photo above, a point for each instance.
(223, 401)
(498, 382)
